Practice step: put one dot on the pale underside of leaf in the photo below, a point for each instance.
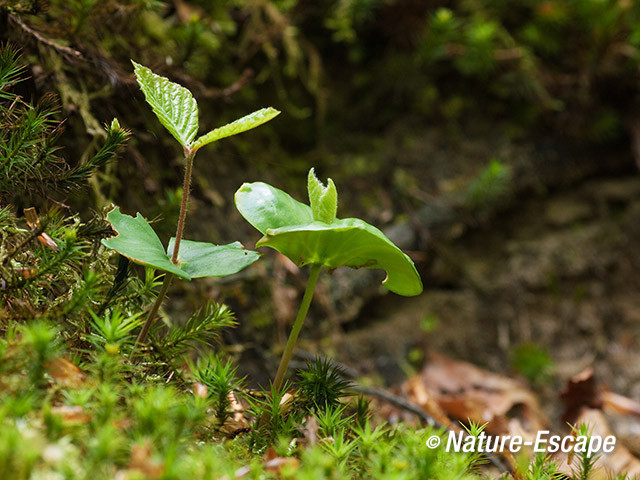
(201, 259)
(173, 104)
(348, 242)
(264, 206)
(289, 227)
(137, 241)
(243, 124)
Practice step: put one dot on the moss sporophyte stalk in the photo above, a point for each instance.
(307, 234)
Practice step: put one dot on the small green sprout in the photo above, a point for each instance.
(177, 110)
(314, 235)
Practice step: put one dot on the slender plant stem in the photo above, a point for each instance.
(154, 310)
(185, 201)
(186, 186)
(297, 326)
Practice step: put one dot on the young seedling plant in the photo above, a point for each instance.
(312, 235)
(177, 110)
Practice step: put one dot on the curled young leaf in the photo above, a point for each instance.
(323, 199)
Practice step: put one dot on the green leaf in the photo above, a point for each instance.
(243, 124)
(201, 259)
(350, 242)
(323, 200)
(289, 227)
(264, 206)
(137, 241)
(173, 104)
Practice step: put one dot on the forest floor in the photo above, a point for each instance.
(560, 272)
(567, 279)
(555, 268)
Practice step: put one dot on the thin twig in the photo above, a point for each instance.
(235, 87)
(42, 39)
(399, 402)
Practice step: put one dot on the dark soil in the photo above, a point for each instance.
(560, 270)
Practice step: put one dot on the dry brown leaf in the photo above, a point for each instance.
(279, 463)
(200, 390)
(623, 415)
(239, 473)
(237, 423)
(580, 391)
(25, 272)
(614, 403)
(286, 401)
(232, 427)
(65, 372)
(415, 390)
(609, 465)
(236, 408)
(186, 12)
(309, 432)
(122, 423)
(47, 241)
(466, 392)
(270, 454)
(71, 414)
(31, 216)
(142, 461)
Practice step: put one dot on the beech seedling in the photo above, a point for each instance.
(313, 235)
(177, 110)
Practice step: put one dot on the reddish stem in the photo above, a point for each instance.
(186, 186)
